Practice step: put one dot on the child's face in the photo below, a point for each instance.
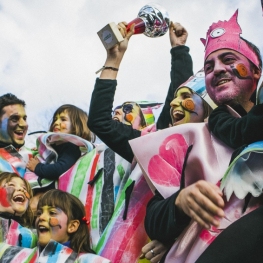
(14, 196)
(52, 223)
(62, 123)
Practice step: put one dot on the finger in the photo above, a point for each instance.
(131, 31)
(147, 247)
(212, 192)
(202, 209)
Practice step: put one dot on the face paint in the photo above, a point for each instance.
(189, 105)
(53, 222)
(4, 199)
(240, 71)
(4, 136)
(128, 117)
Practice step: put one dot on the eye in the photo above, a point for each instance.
(217, 32)
(229, 60)
(14, 118)
(11, 184)
(52, 212)
(38, 213)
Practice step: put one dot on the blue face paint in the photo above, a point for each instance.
(4, 136)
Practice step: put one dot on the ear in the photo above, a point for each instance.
(73, 226)
(257, 73)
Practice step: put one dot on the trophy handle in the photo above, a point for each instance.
(139, 25)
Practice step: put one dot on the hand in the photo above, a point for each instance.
(203, 202)
(178, 34)
(32, 163)
(116, 53)
(153, 251)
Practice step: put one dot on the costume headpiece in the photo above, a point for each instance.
(196, 83)
(226, 34)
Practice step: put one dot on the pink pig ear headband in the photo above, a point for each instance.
(226, 34)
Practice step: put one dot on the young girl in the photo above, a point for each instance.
(67, 119)
(61, 217)
(15, 193)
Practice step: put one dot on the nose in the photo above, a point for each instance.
(22, 122)
(219, 67)
(175, 102)
(43, 216)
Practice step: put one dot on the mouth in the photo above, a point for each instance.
(116, 119)
(222, 82)
(56, 130)
(42, 229)
(20, 199)
(20, 134)
(177, 116)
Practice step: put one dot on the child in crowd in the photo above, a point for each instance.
(61, 217)
(62, 230)
(15, 212)
(67, 119)
(15, 193)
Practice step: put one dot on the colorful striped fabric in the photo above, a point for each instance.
(15, 161)
(100, 179)
(53, 252)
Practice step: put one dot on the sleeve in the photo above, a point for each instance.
(236, 132)
(181, 70)
(68, 154)
(113, 133)
(163, 220)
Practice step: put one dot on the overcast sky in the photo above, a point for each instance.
(50, 50)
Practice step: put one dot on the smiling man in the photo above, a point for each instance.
(13, 121)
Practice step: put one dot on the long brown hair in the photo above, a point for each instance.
(74, 209)
(27, 217)
(78, 119)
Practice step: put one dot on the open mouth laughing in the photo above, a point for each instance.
(177, 116)
(42, 229)
(19, 199)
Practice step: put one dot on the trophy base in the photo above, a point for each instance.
(110, 35)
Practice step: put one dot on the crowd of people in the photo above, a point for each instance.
(152, 191)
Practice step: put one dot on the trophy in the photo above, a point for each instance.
(153, 21)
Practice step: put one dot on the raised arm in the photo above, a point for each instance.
(113, 133)
(181, 69)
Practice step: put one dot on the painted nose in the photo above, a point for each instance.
(22, 122)
(175, 102)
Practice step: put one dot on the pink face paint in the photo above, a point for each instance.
(240, 71)
(4, 200)
(53, 222)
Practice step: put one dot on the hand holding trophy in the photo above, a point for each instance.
(153, 21)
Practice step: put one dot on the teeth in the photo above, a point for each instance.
(19, 198)
(222, 82)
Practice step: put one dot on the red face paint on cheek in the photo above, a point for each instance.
(53, 222)
(129, 117)
(4, 200)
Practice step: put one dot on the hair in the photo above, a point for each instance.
(9, 99)
(256, 51)
(27, 217)
(74, 209)
(79, 121)
(143, 121)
